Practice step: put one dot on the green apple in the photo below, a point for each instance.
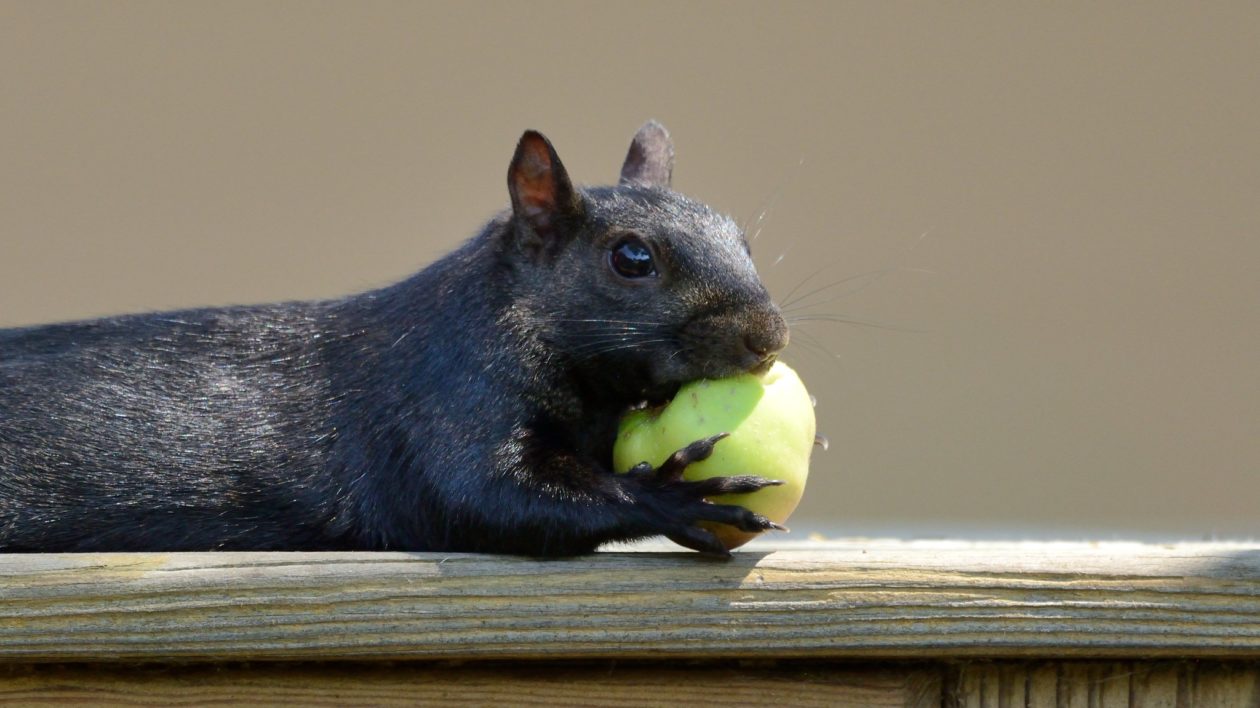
(770, 419)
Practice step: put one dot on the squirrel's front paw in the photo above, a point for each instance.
(679, 503)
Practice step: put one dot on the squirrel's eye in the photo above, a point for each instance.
(631, 258)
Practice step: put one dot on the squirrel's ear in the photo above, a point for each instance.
(650, 162)
(542, 195)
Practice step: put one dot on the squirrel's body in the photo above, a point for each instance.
(470, 407)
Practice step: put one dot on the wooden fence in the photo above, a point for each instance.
(845, 623)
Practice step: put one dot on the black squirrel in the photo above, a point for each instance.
(471, 407)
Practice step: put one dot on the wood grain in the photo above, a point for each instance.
(380, 684)
(841, 600)
(1118, 684)
(1043, 684)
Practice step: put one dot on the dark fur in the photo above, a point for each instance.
(471, 407)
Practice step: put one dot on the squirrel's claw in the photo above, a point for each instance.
(698, 539)
(671, 470)
(738, 484)
(686, 502)
(733, 515)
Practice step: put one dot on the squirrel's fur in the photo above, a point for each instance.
(471, 407)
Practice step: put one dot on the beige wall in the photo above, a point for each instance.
(1081, 358)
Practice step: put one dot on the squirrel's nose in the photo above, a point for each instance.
(766, 341)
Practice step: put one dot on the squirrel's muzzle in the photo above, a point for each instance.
(765, 336)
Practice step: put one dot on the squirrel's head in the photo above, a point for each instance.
(635, 286)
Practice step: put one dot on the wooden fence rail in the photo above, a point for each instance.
(911, 623)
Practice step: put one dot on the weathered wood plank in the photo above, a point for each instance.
(471, 685)
(1071, 684)
(844, 600)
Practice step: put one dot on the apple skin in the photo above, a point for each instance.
(770, 419)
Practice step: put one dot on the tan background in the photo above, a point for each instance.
(1081, 359)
